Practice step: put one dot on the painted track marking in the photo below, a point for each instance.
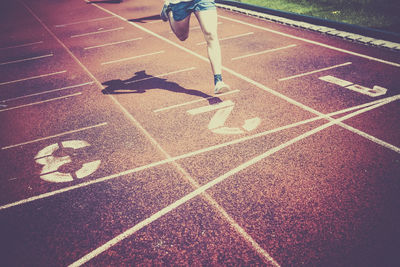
(21, 45)
(313, 42)
(96, 32)
(54, 136)
(25, 59)
(194, 153)
(200, 190)
(33, 77)
(194, 101)
(162, 75)
(230, 37)
(97, 82)
(47, 92)
(83, 21)
(130, 58)
(315, 71)
(114, 43)
(263, 52)
(40, 102)
(257, 84)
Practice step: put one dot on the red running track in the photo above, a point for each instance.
(116, 152)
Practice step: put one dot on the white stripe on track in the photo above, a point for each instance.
(40, 102)
(197, 152)
(25, 59)
(257, 84)
(46, 92)
(53, 136)
(21, 45)
(202, 189)
(33, 77)
(83, 21)
(113, 43)
(315, 71)
(263, 52)
(130, 58)
(313, 42)
(96, 32)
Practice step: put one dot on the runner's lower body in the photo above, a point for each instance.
(205, 11)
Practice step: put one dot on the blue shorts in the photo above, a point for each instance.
(183, 9)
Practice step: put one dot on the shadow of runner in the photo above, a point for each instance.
(146, 19)
(142, 82)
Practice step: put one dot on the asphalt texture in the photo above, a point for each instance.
(115, 150)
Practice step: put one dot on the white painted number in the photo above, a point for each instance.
(51, 163)
(224, 109)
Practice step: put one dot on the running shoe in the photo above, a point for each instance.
(164, 12)
(221, 87)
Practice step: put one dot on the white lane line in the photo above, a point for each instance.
(25, 59)
(21, 45)
(96, 32)
(46, 92)
(313, 42)
(205, 59)
(50, 137)
(197, 152)
(244, 78)
(200, 190)
(82, 21)
(130, 58)
(34, 77)
(113, 98)
(162, 75)
(194, 101)
(230, 37)
(114, 43)
(200, 110)
(40, 102)
(315, 71)
(195, 28)
(264, 52)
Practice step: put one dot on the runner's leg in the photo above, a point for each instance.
(208, 22)
(180, 28)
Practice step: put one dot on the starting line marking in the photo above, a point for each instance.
(195, 101)
(40, 102)
(34, 77)
(315, 71)
(47, 92)
(313, 42)
(114, 43)
(162, 75)
(200, 190)
(21, 45)
(53, 136)
(191, 154)
(25, 59)
(130, 58)
(82, 21)
(230, 37)
(96, 32)
(263, 52)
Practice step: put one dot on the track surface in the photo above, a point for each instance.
(114, 151)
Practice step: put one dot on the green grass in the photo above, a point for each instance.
(376, 14)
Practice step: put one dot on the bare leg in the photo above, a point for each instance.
(180, 28)
(208, 21)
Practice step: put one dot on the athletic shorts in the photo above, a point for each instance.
(183, 9)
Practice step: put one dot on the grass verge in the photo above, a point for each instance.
(378, 14)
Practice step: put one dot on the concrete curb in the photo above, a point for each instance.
(264, 14)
